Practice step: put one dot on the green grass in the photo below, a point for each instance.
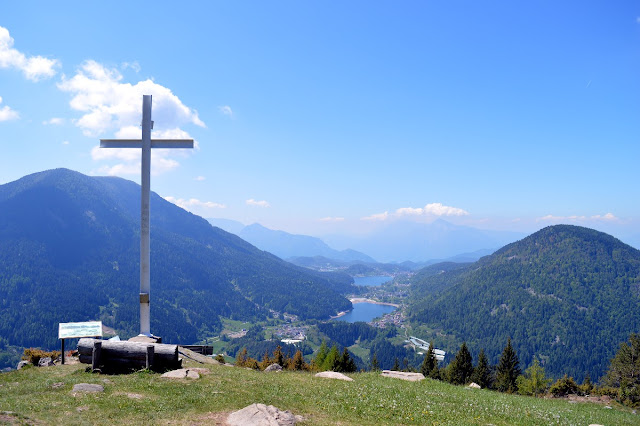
(145, 398)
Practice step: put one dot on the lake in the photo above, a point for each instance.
(373, 281)
(366, 312)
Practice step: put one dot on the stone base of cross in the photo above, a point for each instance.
(146, 143)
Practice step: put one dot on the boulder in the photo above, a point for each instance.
(261, 415)
(45, 362)
(273, 367)
(183, 373)
(22, 364)
(334, 375)
(412, 377)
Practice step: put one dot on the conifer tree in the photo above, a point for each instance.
(266, 361)
(375, 365)
(481, 374)
(331, 360)
(624, 371)
(298, 363)
(508, 370)
(533, 382)
(320, 356)
(241, 358)
(461, 367)
(346, 363)
(278, 356)
(429, 362)
(396, 365)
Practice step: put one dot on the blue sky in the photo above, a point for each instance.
(325, 117)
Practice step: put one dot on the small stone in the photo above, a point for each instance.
(608, 407)
(57, 385)
(412, 377)
(81, 409)
(261, 415)
(87, 388)
(474, 385)
(334, 375)
(272, 368)
(22, 364)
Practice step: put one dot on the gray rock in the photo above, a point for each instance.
(261, 415)
(45, 362)
(334, 375)
(474, 385)
(412, 377)
(22, 364)
(87, 388)
(183, 373)
(273, 367)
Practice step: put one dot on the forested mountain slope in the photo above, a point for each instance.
(567, 295)
(69, 251)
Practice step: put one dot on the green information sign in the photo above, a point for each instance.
(70, 330)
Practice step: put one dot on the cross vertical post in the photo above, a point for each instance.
(145, 238)
(146, 143)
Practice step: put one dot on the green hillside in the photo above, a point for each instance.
(69, 251)
(43, 396)
(566, 295)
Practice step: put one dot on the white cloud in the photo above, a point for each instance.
(33, 67)
(194, 203)
(109, 104)
(133, 65)
(226, 110)
(331, 219)
(433, 209)
(379, 216)
(608, 217)
(54, 121)
(252, 202)
(7, 113)
(65, 142)
(200, 178)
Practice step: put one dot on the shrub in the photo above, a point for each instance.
(564, 386)
(220, 359)
(33, 355)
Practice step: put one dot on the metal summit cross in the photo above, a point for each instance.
(146, 143)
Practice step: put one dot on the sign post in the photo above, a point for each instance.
(71, 330)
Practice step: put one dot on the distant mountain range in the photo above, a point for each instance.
(286, 245)
(566, 295)
(69, 251)
(419, 242)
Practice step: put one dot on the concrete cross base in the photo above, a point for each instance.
(146, 339)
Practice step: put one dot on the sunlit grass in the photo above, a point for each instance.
(145, 397)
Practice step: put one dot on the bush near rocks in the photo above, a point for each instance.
(33, 355)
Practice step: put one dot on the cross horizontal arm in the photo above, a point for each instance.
(155, 143)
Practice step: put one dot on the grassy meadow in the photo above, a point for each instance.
(43, 396)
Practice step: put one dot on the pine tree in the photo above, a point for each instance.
(375, 365)
(298, 363)
(624, 371)
(266, 361)
(533, 382)
(320, 356)
(346, 363)
(241, 358)
(278, 356)
(396, 365)
(331, 360)
(481, 374)
(462, 366)
(429, 362)
(508, 370)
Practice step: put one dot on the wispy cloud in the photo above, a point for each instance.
(132, 65)
(7, 113)
(65, 142)
(608, 217)
(33, 67)
(194, 203)
(432, 209)
(252, 202)
(331, 219)
(200, 178)
(226, 110)
(53, 121)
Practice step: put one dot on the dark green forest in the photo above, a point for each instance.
(69, 251)
(565, 295)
